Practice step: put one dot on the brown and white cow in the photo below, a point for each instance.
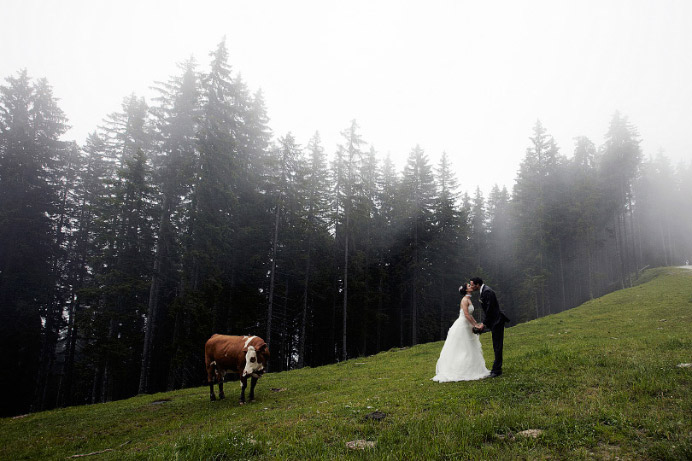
(245, 355)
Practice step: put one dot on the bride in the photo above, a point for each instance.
(461, 358)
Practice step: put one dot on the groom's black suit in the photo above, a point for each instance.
(493, 320)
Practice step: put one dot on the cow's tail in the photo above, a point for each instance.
(211, 371)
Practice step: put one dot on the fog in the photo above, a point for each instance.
(468, 78)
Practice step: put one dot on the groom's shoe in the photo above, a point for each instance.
(494, 374)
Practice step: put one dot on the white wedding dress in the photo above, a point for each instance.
(461, 358)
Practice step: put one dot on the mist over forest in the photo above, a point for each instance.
(185, 216)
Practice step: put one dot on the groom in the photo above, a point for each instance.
(493, 320)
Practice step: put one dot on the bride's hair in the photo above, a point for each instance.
(464, 289)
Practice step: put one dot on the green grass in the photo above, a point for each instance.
(601, 381)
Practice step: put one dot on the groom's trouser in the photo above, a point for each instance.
(498, 332)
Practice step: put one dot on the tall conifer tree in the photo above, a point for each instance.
(31, 168)
(418, 190)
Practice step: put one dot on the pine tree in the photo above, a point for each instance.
(418, 190)
(479, 230)
(530, 196)
(32, 162)
(203, 307)
(348, 183)
(655, 213)
(122, 252)
(682, 200)
(286, 168)
(48, 125)
(449, 241)
(364, 216)
(500, 238)
(586, 197)
(388, 243)
(619, 168)
(316, 192)
(89, 186)
(177, 117)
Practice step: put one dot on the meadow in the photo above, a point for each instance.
(605, 380)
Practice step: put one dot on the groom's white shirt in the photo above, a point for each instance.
(480, 292)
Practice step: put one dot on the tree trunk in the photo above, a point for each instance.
(618, 249)
(333, 343)
(636, 242)
(443, 303)
(401, 318)
(177, 333)
(562, 277)
(284, 350)
(53, 307)
(228, 312)
(67, 376)
(98, 372)
(626, 237)
(304, 316)
(106, 382)
(272, 276)
(380, 296)
(671, 245)
(153, 308)
(414, 306)
(345, 306)
(589, 264)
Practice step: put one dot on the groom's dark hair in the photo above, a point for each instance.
(477, 280)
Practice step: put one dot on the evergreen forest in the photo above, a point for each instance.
(185, 216)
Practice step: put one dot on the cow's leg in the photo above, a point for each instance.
(253, 383)
(243, 386)
(210, 380)
(221, 394)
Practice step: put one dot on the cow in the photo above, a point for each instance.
(245, 355)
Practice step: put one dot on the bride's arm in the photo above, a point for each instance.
(465, 309)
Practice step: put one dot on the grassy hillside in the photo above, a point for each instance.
(600, 381)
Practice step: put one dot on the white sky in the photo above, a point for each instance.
(466, 77)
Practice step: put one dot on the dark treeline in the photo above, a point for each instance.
(186, 217)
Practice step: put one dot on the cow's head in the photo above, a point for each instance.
(255, 361)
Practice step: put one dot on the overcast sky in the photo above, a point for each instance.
(469, 78)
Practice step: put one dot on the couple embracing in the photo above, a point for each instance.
(461, 358)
